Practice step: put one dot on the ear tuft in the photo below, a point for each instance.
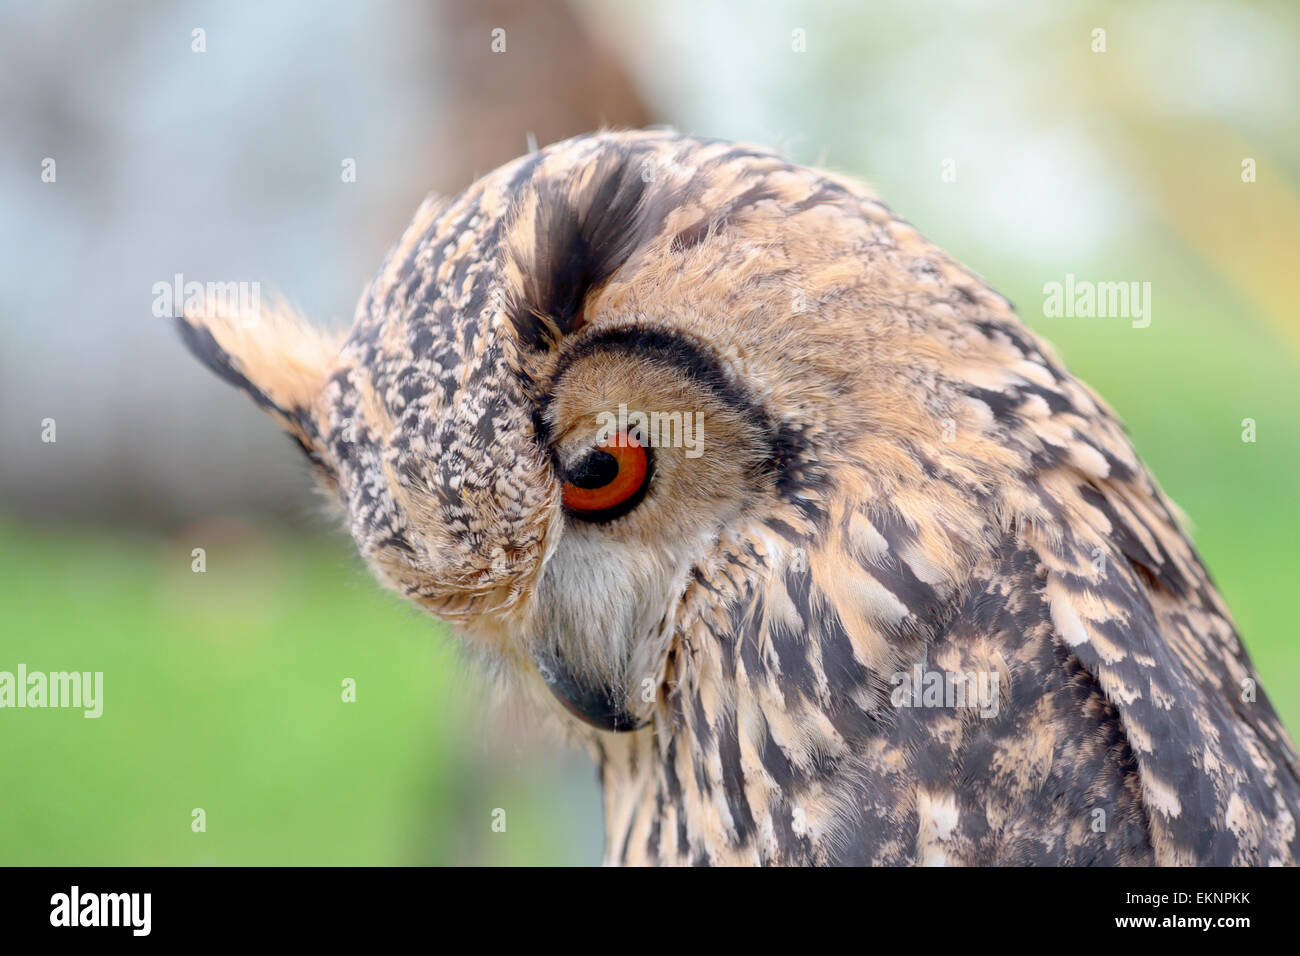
(271, 354)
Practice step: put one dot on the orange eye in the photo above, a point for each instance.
(610, 481)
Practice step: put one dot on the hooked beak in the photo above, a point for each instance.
(592, 703)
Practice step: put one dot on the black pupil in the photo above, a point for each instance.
(595, 471)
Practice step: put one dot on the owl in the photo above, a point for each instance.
(746, 487)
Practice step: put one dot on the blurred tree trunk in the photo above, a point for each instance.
(547, 75)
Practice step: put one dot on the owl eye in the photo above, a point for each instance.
(609, 481)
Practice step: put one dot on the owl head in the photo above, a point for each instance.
(618, 371)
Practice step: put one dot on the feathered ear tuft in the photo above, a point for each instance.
(274, 356)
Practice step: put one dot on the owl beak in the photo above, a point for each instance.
(592, 703)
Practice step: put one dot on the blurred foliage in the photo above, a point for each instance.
(222, 690)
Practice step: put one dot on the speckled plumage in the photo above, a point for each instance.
(896, 473)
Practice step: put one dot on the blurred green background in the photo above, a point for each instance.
(222, 689)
